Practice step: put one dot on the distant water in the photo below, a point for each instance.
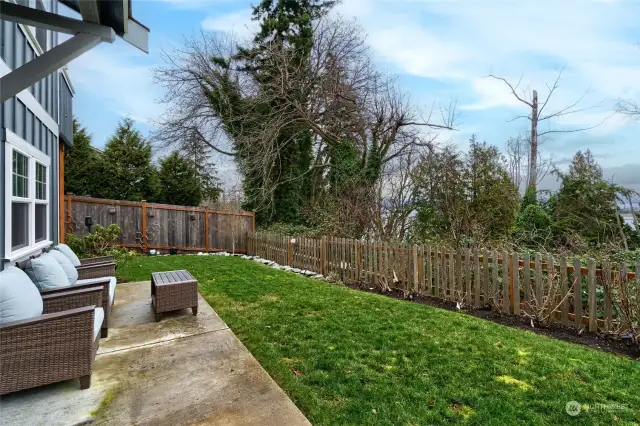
(628, 219)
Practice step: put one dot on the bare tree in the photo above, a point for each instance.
(517, 151)
(539, 115)
(395, 198)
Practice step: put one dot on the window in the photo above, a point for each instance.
(27, 180)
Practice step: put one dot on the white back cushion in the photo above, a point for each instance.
(19, 297)
(66, 250)
(69, 269)
(46, 273)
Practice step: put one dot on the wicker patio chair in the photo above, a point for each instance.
(106, 283)
(106, 300)
(96, 270)
(92, 267)
(58, 345)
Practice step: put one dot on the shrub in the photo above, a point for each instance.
(625, 296)
(100, 243)
(533, 227)
(290, 229)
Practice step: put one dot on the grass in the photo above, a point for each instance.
(349, 357)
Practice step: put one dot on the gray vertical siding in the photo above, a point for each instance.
(66, 112)
(15, 51)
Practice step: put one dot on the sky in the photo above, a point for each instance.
(440, 50)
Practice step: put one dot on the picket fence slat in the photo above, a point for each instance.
(564, 289)
(591, 285)
(577, 292)
(477, 278)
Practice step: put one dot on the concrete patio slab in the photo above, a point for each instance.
(183, 370)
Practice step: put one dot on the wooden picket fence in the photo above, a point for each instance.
(471, 277)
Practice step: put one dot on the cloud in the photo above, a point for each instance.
(120, 78)
(194, 4)
(459, 42)
(238, 22)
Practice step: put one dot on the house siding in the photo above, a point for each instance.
(66, 112)
(15, 50)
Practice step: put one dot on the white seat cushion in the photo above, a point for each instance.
(98, 317)
(19, 297)
(46, 273)
(69, 269)
(66, 250)
(112, 284)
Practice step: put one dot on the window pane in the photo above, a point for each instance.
(41, 222)
(20, 175)
(41, 182)
(19, 225)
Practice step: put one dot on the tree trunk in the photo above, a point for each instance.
(533, 149)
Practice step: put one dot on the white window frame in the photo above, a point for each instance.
(13, 143)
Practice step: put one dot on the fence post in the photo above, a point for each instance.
(144, 224)
(206, 229)
(357, 243)
(69, 215)
(511, 283)
(515, 284)
(253, 222)
(323, 255)
(290, 251)
(414, 260)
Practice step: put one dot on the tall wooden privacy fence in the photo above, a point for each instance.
(509, 281)
(161, 226)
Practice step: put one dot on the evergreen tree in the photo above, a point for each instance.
(199, 155)
(127, 172)
(80, 164)
(493, 196)
(464, 198)
(179, 181)
(585, 206)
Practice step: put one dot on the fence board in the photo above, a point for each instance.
(485, 270)
(506, 280)
(452, 275)
(577, 292)
(429, 272)
(467, 275)
(591, 286)
(494, 281)
(515, 268)
(526, 280)
(538, 280)
(564, 290)
(476, 277)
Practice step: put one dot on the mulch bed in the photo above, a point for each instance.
(556, 331)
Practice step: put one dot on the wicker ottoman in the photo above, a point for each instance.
(173, 290)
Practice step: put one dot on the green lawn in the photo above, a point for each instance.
(347, 357)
